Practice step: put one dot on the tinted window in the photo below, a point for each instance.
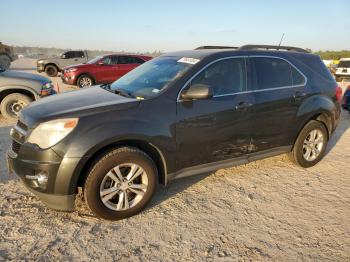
(225, 77)
(107, 60)
(114, 60)
(271, 73)
(137, 60)
(79, 54)
(125, 60)
(297, 78)
(69, 55)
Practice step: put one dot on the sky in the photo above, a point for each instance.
(164, 25)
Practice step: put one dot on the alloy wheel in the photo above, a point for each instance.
(313, 145)
(123, 187)
(85, 81)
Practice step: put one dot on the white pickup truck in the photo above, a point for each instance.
(343, 69)
(51, 66)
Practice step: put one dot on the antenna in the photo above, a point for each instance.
(281, 40)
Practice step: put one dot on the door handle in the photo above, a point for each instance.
(243, 106)
(299, 95)
(76, 59)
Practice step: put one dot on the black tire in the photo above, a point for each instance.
(5, 62)
(98, 174)
(85, 81)
(12, 104)
(298, 153)
(51, 70)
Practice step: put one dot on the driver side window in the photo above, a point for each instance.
(224, 77)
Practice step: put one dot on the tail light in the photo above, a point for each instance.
(338, 93)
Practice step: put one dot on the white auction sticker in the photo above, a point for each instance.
(189, 60)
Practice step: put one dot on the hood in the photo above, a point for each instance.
(78, 65)
(93, 100)
(16, 75)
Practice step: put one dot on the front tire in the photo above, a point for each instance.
(310, 146)
(85, 81)
(120, 183)
(13, 104)
(51, 70)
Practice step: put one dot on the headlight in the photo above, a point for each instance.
(50, 133)
(40, 61)
(73, 69)
(48, 85)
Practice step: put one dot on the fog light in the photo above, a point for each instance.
(39, 180)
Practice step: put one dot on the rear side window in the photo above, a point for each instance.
(272, 73)
(225, 77)
(126, 60)
(79, 54)
(297, 78)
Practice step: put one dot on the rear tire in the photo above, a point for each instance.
(120, 183)
(310, 146)
(5, 62)
(85, 81)
(13, 104)
(51, 70)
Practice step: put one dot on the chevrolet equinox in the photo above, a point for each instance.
(180, 114)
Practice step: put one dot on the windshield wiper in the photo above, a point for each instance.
(122, 92)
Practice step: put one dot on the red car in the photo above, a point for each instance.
(102, 69)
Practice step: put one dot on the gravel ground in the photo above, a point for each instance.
(266, 210)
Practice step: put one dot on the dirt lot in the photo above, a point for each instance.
(266, 210)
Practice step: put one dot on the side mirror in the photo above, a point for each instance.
(198, 92)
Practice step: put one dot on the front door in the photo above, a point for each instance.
(215, 129)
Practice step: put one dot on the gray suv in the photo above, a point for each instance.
(18, 90)
(51, 66)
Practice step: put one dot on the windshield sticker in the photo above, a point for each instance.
(188, 60)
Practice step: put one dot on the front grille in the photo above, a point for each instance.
(16, 146)
(22, 125)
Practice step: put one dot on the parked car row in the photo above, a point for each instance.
(177, 115)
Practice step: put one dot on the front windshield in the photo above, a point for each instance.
(151, 78)
(95, 60)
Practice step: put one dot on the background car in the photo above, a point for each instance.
(18, 90)
(346, 99)
(102, 69)
(51, 66)
(343, 69)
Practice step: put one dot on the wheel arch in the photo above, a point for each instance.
(21, 90)
(52, 64)
(151, 150)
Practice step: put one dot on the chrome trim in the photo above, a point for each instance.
(247, 91)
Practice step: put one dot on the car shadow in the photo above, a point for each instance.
(344, 124)
(174, 187)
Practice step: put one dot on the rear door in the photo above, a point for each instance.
(278, 91)
(219, 128)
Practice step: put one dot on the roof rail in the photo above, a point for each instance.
(215, 47)
(273, 47)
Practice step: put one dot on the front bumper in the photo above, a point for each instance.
(59, 192)
(40, 67)
(68, 79)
